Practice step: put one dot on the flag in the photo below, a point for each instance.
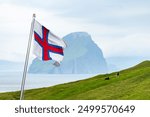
(47, 46)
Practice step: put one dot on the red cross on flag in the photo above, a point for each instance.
(47, 46)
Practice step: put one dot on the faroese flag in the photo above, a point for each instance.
(47, 46)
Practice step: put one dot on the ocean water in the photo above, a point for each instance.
(11, 80)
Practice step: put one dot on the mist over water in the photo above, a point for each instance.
(11, 81)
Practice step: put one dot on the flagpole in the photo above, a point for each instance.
(27, 59)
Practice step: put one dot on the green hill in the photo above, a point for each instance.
(132, 83)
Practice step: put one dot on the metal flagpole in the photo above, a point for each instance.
(27, 59)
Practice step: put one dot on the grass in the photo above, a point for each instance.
(131, 84)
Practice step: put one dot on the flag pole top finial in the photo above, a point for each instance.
(34, 15)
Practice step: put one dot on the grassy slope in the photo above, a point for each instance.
(133, 83)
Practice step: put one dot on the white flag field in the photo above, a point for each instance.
(47, 46)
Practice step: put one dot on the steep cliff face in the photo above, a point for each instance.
(82, 56)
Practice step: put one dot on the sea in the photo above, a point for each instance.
(11, 80)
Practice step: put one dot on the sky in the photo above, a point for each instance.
(121, 28)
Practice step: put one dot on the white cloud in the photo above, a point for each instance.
(132, 45)
(119, 28)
